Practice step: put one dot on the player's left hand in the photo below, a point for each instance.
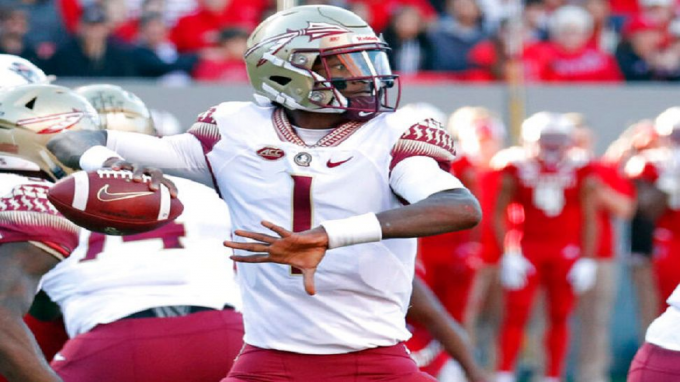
(583, 274)
(302, 250)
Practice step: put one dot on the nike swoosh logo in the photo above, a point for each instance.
(105, 196)
(336, 164)
(365, 113)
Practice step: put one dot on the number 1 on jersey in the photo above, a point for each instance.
(302, 207)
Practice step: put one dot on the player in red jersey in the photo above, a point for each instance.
(481, 135)
(438, 339)
(656, 172)
(34, 237)
(637, 138)
(558, 238)
(615, 199)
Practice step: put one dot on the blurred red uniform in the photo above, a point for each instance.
(657, 168)
(425, 350)
(609, 174)
(450, 260)
(551, 241)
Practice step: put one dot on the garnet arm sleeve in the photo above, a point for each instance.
(421, 161)
(27, 216)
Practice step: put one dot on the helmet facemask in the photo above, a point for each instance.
(355, 80)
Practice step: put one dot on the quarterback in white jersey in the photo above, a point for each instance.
(320, 166)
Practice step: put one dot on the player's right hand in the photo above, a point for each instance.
(515, 270)
(138, 173)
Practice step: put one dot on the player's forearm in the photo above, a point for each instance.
(20, 356)
(21, 266)
(622, 206)
(70, 146)
(428, 311)
(445, 211)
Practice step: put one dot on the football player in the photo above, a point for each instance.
(481, 135)
(322, 164)
(437, 336)
(634, 140)
(615, 199)
(156, 306)
(558, 237)
(47, 329)
(34, 237)
(657, 175)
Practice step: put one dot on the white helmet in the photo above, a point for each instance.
(534, 127)
(284, 48)
(118, 108)
(471, 125)
(667, 121)
(15, 71)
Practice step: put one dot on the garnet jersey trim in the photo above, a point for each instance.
(208, 134)
(426, 138)
(27, 215)
(285, 131)
(205, 130)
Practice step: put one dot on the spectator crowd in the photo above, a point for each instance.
(466, 40)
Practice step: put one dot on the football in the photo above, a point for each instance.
(110, 202)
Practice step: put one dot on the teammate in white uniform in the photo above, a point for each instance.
(170, 292)
(322, 161)
(34, 237)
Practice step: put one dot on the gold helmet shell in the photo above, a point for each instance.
(32, 114)
(284, 49)
(118, 108)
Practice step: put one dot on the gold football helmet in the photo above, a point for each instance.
(118, 108)
(32, 114)
(283, 50)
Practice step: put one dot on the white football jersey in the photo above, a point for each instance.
(264, 171)
(182, 263)
(665, 330)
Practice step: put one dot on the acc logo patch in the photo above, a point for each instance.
(270, 153)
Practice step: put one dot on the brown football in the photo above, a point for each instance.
(110, 202)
